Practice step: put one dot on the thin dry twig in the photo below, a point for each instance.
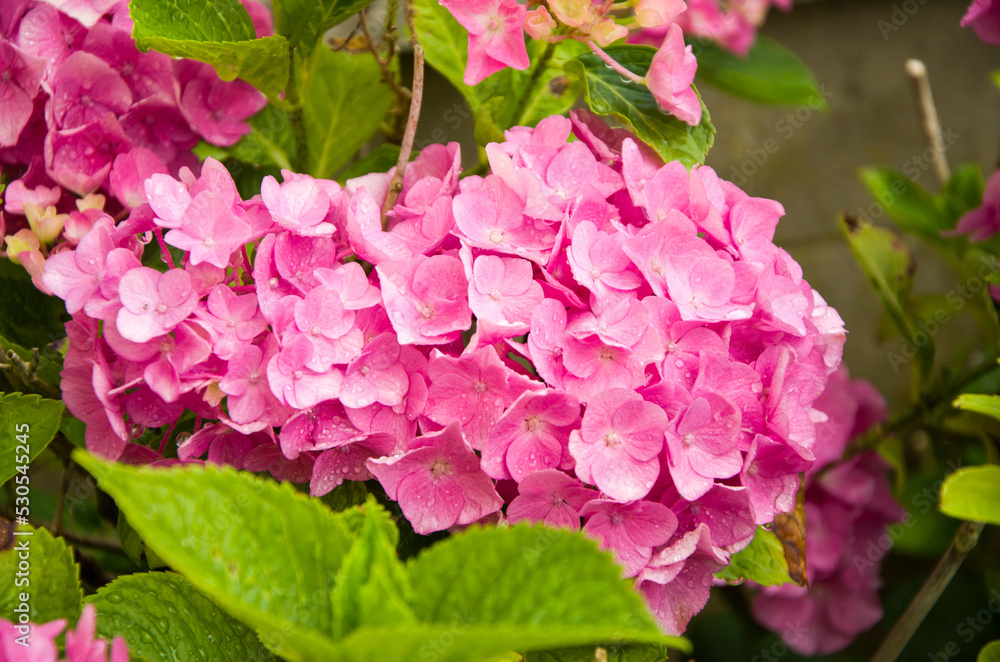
(396, 184)
(932, 124)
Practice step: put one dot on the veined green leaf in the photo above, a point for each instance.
(27, 425)
(51, 580)
(973, 493)
(634, 106)
(163, 618)
(762, 561)
(304, 22)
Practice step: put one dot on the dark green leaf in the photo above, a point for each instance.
(27, 423)
(973, 493)
(634, 106)
(259, 549)
(962, 193)
(52, 581)
(906, 202)
(763, 561)
(304, 22)
(163, 618)
(770, 73)
(218, 32)
(381, 159)
(28, 317)
(886, 262)
(343, 104)
(635, 653)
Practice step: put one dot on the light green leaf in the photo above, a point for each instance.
(634, 653)
(344, 102)
(988, 405)
(163, 618)
(218, 32)
(525, 588)
(51, 582)
(634, 106)
(763, 561)
(304, 22)
(913, 209)
(372, 586)
(265, 553)
(27, 425)
(972, 493)
(990, 652)
(770, 73)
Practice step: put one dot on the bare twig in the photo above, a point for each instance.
(396, 185)
(932, 125)
(965, 539)
(383, 63)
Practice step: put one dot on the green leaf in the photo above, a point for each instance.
(972, 493)
(218, 32)
(886, 262)
(763, 561)
(27, 425)
(445, 43)
(634, 106)
(344, 103)
(770, 73)
(503, 589)
(988, 405)
(162, 617)
(990, 652)
(381, 159)
(265, 553)
(962, 193)
(913, 209)
(304, 22)
(28, 318)
(52, 581)
(372, 587)
(634, 653)
(131, 542)
(269, 142)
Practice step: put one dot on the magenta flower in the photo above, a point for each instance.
(618, 443)
(377, 375)
(984, 17)
(246, 384)
(532, 435)
(348, 462)
(322, 319)
(426, 298)
(550, 497)
(84, 88)
(233, 320)
(211, 229)
(79, 159)
(215, 108)
(496, 38)
(629, 530)
(437, 482)
(295, 384)
(318, 428)
(20, 75)
(670, 76)
(299, 204)
(503, 291)
(702, 444)
(82, 644)
(153, 302)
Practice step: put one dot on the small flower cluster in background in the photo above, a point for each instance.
(39, 643)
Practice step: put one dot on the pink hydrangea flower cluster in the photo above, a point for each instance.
(497, 27)
(82, 111)
(732, 24)
(586, 336)
(848, 506)
(37, 643)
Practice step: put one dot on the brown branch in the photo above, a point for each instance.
(396, 184)
(383, 63)
(965, 539)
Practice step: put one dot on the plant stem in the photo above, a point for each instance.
(925, 406)
(57, 519)
(164, 251)
(614, 64)
(543, 62)
(932, 124)
(965, 539)
(396, 184)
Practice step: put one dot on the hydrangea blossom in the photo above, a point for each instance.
(664, 399)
